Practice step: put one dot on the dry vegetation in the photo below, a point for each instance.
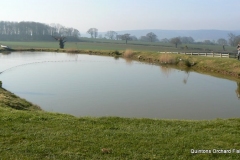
(167, 59)
(128, 53)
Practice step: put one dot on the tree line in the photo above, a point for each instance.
(152, 37)
(28, 31)
(24, 31)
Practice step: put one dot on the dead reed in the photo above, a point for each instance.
(167, 59)
(128, 53)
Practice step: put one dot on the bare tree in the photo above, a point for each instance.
(176, 41)
(231, 39)
(35, 31)
(222, 41)
(165, 40)
(207, 41)
(187, 40)
(151, 36)
(144, 39)
(100, 36)
(133, 38)
(118, 37)
(75, 33)
(126, 37)
(111, 34)
(93, 32)
(61, 40)
(237, 40)
(59, 28)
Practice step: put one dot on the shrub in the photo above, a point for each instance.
(117, 52)
(187, 63)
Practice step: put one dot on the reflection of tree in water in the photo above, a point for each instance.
(73, 56)
(128, 61)
(185, 79)
(5, 52)
(165, 70)
(116, 57)
(238, 90)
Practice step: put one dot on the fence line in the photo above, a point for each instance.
(207, 54)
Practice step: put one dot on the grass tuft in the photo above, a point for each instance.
(167, 59)
(128, 53)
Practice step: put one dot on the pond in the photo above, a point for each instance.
(88, 85)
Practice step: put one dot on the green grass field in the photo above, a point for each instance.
(121, 46)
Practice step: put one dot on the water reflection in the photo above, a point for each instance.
(165, 70)
(5, 52)
(116, 57)
(128, 61)
(185, 79)
(238, 90)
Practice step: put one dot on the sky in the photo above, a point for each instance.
(119, 15)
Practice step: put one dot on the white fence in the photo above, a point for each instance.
(209, 54)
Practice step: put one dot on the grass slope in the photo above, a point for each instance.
(35, 134)
(8, 99)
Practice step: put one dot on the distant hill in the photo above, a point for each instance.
(197, 35)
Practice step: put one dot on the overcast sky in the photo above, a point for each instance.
(126, 14)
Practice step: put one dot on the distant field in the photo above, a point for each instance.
(90, 44)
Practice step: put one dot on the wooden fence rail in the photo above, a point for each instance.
(207, 54)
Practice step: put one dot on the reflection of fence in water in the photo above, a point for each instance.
(238, 90)
(207, 54)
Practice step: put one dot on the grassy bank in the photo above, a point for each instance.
(34, 134)
(9, 100)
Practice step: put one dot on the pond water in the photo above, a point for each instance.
(87, 85)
